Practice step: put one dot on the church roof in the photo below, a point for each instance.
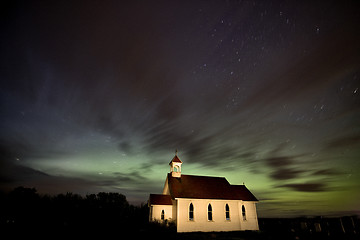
(160, 199)
(175, 159)
(203, 187)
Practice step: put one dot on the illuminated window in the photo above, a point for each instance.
(191, 212)
(210, 218)
(227, 212)
(162, 215)
(243, 212)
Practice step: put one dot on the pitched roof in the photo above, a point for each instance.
(202, 187)
(175, 159)
(160, 199)
(243, 193)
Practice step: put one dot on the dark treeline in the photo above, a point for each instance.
(25, 212)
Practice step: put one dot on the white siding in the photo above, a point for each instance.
(156, 212)
(219, 222)
(251, 222)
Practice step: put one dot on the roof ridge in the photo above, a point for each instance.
(207, 187)
(201, 176)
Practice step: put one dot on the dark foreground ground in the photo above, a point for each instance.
(344, 228)
(287, 228)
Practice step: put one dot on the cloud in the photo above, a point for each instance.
(283, 168)
(308, 73)
(306, 187)
(126, 147)
(285, 174)
(133, 177)
(279, 162)
(327, 172)
(14, 175)
(343, 142)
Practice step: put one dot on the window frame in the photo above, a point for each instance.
(210, 217)
(162, 215)
(243, 211)
(227, 212)
(191, 215)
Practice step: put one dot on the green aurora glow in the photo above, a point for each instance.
(97, 97)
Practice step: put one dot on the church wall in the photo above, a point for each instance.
(174, 210)
(219, 222)
(156, 212)
(251, 222)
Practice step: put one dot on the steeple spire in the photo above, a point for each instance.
(175, 165)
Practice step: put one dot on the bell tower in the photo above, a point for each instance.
(175, 166)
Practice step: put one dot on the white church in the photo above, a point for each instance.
(203, 204)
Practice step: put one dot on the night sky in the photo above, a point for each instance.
(97, 95)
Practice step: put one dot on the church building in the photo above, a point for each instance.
(204, 204)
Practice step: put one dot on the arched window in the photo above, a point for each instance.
(210, 218)
(191, 212)
(162, 215)
(227, 212)
(243, 212)
(176, 169)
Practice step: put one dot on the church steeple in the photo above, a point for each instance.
(175, 166)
